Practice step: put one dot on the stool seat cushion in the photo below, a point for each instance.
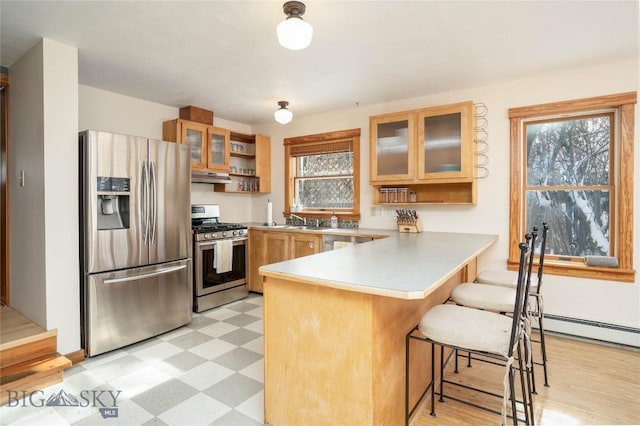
(504, 278)
(467, 328)
(484, 296)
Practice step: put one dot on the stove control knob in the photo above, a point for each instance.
(224, 234)
(235, 233)
(207, 236)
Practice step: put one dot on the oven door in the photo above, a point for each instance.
(207, 280)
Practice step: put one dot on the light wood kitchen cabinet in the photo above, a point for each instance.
(250, 164)
(304, 245)
(266, 247)
(428, 152)
(256, 259)
(276, 247)
(209, 144)
(392, 148)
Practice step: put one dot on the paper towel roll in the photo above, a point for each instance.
(269, 213)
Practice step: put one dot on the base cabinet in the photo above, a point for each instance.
(304, 245)
(266, 247)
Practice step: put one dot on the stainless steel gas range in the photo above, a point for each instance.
(219, 258)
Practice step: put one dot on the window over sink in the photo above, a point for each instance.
(322, 174)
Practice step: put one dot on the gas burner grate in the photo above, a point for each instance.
(216, 226)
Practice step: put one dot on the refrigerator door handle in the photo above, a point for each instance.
(142, 276)
(153, 203)
(145, 202)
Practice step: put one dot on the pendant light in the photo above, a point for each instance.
(283, 115)
(294, 33)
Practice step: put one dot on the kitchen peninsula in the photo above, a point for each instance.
(335, 326)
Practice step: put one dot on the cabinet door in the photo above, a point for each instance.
(256, 259)
(445, 142)
(263, 163)
(305, 244)
(218, 149)
(392, 147)
(195, 135)
(276, 247)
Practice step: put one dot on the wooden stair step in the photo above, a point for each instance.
(27, 348)
(29, 358)
(33, 374)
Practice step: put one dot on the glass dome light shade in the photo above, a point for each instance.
(283, 115)
(294, 33)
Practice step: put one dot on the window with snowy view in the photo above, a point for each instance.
(572, 167)
(569, 183)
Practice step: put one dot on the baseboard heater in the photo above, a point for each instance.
(593, 323)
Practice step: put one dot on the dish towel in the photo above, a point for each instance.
(341, 244)
(223, 256)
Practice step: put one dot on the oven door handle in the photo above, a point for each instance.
(142, 276)
(205, 244)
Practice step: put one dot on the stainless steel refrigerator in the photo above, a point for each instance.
(135, 239)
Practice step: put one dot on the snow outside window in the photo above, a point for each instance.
(569, 183)
(572, 167)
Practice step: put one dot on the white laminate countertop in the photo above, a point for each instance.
(405, 266)
(368, 232)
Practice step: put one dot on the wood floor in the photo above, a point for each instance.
(14, 327)
(590, 383)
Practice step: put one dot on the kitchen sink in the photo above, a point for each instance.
(293, 227)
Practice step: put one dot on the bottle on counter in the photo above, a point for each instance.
(334, 220)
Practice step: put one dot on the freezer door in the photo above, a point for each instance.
(169, 201)
(125, 307)
(113, 188)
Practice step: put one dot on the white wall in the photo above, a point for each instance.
(28, 274)
(596, 300)
(44, 218)
(61, 191)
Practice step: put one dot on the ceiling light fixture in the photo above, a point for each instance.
(283, 115)
(293, 32)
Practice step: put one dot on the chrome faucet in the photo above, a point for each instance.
(303, 219)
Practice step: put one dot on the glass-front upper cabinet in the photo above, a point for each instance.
(392, 147)
(445, 141)
(209, 145)
(195, 135)
(218, 148)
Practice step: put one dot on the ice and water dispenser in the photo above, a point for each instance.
(113, 202)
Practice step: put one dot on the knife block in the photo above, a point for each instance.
(411, 227)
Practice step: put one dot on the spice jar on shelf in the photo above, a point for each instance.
(402, 195)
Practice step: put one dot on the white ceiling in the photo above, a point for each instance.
(224, 56)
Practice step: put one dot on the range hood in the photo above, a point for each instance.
(209, 177)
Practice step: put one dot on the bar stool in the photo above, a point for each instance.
(498, 299)
(472, 295)
(481, 332)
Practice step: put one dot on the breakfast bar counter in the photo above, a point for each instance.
(335, 326)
